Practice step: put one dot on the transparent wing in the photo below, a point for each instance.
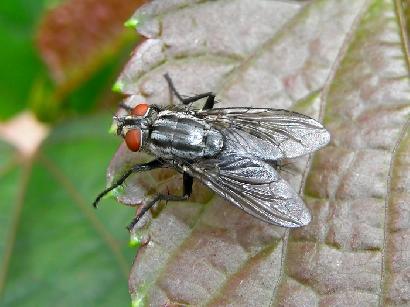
(255, 187)
(268, 134)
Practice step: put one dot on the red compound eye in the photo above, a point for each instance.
(133, 139)
(140, 109)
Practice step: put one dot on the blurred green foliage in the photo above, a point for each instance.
(26, 82)
(55, 249)
(21, 65)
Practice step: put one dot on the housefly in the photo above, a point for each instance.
(233, 151)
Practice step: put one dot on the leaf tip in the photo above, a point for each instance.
(137, 302)
(138, 239)
(131, 23)
(114, 193)
(113, 128)
(140, 298)
(135, 241)
(118, 87)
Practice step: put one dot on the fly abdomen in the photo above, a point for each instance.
(183, 136)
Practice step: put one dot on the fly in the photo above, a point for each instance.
(233, 151)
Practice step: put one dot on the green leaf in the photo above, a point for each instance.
(82, 43)
(11, 173)
(56, 249)
(21, 65)
(84, 52)
(342, 62)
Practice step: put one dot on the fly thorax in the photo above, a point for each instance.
(214, 143)
(183, 136)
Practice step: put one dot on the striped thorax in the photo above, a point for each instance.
(177, 136)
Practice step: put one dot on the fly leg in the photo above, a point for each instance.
(187, 191)
(135, 169)
(210, 101)
(208, 104)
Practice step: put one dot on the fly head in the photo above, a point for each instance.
(134, 127)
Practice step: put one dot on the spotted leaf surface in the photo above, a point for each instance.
(344, 63)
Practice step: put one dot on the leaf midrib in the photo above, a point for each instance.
(81, 203)
(16, 213)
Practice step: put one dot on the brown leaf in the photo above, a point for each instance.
(74, 36)
(343, 62)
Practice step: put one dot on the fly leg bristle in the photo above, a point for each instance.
(209, 95)
(187, 191)
(151, 203)
(115, 185)
(135, 169)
